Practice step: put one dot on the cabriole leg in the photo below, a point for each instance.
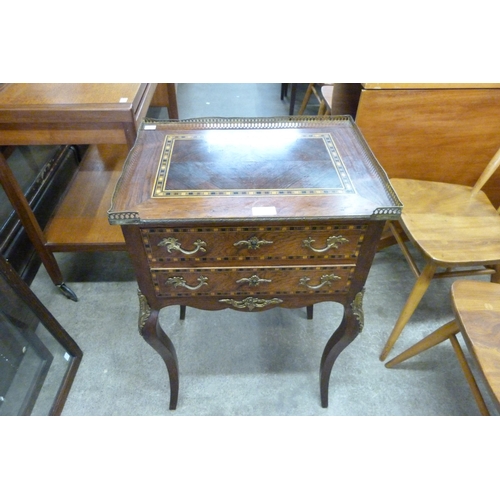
(349, 328)
(153, 334)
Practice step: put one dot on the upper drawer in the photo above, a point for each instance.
(229, 246)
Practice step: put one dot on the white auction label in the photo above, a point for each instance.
(262, 211)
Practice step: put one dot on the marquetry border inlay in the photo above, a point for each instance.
(160, 189)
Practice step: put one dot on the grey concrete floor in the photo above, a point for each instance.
(265, 363)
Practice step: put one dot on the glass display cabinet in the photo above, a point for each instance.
(38, 358)
(43, 174)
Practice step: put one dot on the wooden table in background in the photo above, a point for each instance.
(433, 131)
(105, 116)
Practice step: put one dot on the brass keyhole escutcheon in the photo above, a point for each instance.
(253, 280)
(253, 243)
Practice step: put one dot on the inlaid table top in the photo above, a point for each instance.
(251, 168)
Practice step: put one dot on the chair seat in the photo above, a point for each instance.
(449, 225)
(477, 309)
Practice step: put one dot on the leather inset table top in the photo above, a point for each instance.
(225, 169)
(204, 165)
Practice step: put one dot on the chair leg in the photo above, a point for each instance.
(412, 302)
(284, 90)
(436, 337)
(469, 376)
(307, 96)
(404, 249)
(293, 95)
(495, 278)
(447, 331)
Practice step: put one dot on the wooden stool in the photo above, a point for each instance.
(312, 90)
(476, 305)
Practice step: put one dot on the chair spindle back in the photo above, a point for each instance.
(487, 173)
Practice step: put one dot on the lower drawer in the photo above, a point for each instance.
(257, 281)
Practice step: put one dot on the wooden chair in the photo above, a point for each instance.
(314, 89)
(327, 94)
(454, 227)
(476, 306)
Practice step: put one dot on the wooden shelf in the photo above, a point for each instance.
(80, 222)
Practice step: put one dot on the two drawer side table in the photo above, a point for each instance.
(250, 214)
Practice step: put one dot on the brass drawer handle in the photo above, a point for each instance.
(173, 244)
(253, 243)
(178, 281)
(331, 242)
(253, 280)
(325, 280)
(250, 303)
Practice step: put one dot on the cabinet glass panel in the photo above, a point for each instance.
(38, 359)
(27, 163)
